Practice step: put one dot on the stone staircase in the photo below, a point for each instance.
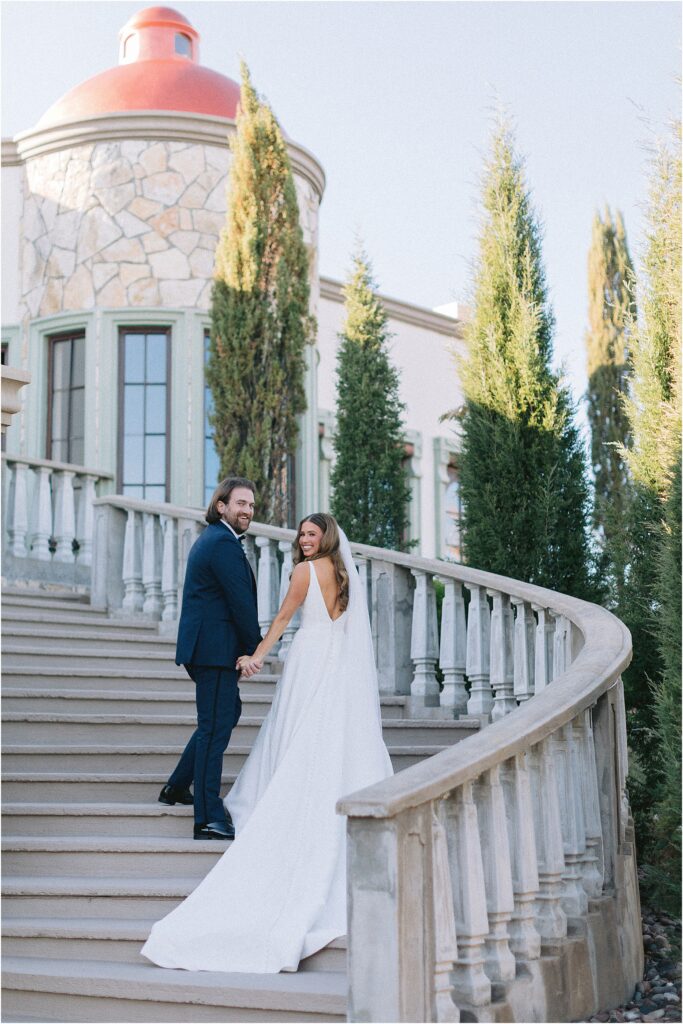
(95, 713)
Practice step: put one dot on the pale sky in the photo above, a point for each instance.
(395, 100)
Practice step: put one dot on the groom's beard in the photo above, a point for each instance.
(238, 525)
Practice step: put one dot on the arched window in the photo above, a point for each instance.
(130, 47)
(183, 45)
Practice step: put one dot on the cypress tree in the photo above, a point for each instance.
(260, 321)
(610, 312)
(369, 491)
(652, 599)
(522, 468)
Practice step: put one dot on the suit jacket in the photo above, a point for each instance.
(218, 620)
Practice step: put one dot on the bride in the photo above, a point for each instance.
(278, 893)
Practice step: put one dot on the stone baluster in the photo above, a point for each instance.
(502, 676)
(151, 564)
(42, 514)
(478, 653)
(470, 981)
(250, 552)
(424, 643)
(591, 863)
(133, 593)
(543, 671)
(391, 615)
(574, 898)
(169, 569)
(525, 941)
(65, 515)
(551, 920)
(85, 520)
(560, 642)
(500, 963)
(453, 647)
(268, 582)
(524, 651)
(188, 531)
(442, 913)
(285, 547)
(18, 502)
(621, 757)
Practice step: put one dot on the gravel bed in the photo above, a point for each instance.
(658, 996)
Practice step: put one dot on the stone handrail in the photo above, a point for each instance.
(47, 528)
(496, 879)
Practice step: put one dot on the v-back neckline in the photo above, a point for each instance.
(322, 596)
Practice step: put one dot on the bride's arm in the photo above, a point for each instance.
(298, 588)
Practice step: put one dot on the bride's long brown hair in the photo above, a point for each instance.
(329, 548)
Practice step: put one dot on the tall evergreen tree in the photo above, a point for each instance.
(369, 491)
(522, 468)
(652, 599)
(610, 312)
(260, 321)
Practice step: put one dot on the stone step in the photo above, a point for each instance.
(93, 855)
(46, 639)
(129, 702)
(83, 818)
(55, 727)
(89, 621)
(171, 678)
(73, 787)
(93, 658)
(77, 990)
(43, 757)
(114, 940)
(78, 896)
(54, 597)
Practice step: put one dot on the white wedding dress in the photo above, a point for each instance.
(278, 893)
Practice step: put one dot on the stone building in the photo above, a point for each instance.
(112, 208)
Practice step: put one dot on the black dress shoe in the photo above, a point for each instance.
(173, 795)
(214, 830)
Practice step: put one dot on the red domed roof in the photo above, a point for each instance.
(158, 70)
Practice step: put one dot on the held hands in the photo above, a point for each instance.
(248, 665)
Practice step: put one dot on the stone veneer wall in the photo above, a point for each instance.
(120, 224)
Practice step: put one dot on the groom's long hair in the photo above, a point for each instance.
(329, 548)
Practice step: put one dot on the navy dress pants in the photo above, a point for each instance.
(218, 711)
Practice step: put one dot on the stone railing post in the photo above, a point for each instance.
(543, 672)
(404, 972)
(453, 647)
(285, 547)
(391, 616)
(478, 653)
(470, 981)
(604, 731)
(65, 515)
(591, 863)
(169, 570)
(106, 587)
(85, 520)
(424, 644)
(502, 674)
(551, 921)
(188, 531)
(18, 503)
(268, 582)
(151, 565)
(574, 898)
(132, 564)
(495, 846)
(525, 942)
(524, 652)
(42, 515)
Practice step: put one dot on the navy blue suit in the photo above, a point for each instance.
(218, 623)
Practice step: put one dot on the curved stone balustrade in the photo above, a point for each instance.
(495, 880)
(48, 519)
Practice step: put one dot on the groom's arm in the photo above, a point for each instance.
(227, 563)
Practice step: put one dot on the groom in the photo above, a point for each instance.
(218, 622)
